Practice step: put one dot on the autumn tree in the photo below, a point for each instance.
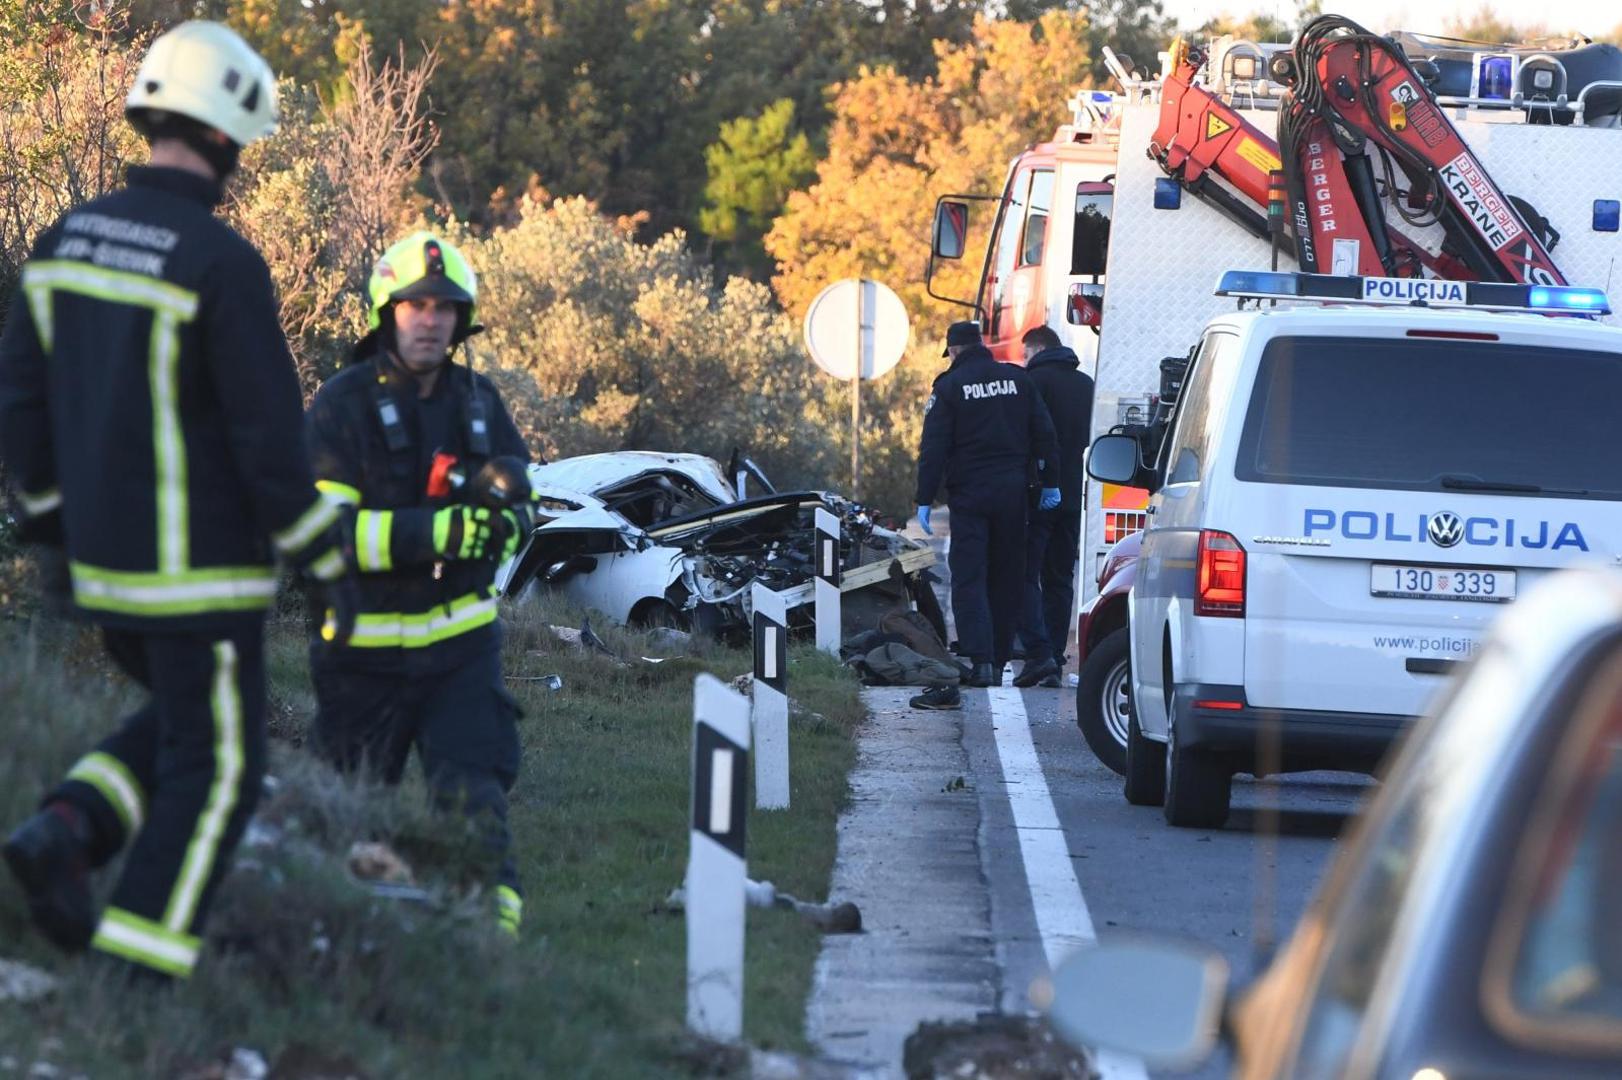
(64, 74)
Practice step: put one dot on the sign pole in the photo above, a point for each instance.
(716, 866)
(770, 698)
(881, 333)
(856, 394)
(829, 627)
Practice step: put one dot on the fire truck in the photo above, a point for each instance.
(1344, 152)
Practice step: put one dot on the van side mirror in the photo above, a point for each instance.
(1159, 1001)
(1115, 459)
(951, 230)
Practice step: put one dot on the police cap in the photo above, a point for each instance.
(961, 333)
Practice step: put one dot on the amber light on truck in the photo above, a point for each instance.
(1119, 524)
(1220, 571)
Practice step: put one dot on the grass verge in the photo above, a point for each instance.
(321, 978)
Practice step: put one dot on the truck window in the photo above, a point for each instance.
(1405, 414)
(1089, 251)
(1040, 205)
(1200, 409)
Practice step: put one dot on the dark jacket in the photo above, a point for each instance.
(984, 426)
(149, 410)
(410, 598)
(1068, 394)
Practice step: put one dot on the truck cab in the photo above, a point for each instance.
(1045, 261)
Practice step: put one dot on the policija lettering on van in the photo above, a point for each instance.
(1445, 529)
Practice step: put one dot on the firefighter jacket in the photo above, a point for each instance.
(150, 412)
(373, 441)
(985, 427)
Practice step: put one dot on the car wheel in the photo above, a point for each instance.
(1145, 767)
(1199, 787)
(659, 614)
(1104, 699)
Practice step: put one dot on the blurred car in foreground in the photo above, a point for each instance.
(1470, 926)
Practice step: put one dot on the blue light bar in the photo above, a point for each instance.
(1568, 298)
(1414, 292)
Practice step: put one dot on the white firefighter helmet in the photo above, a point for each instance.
(205, 71)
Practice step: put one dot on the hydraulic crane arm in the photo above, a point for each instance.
(1355, 92)
(1359, 94)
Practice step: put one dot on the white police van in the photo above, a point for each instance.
(1345, 497)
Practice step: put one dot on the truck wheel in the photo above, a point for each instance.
(1104, 699)
(1198, 786)
(1145, 767)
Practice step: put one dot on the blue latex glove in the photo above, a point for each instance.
(923, 519)
(1050, 499)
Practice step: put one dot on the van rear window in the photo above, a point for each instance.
(1435, 415)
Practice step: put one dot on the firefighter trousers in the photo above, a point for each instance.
(460, 718)
(177, 782)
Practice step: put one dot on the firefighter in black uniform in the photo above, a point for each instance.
(150, 416)
(984, 428)
(387, 436)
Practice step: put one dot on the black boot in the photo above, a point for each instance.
(1035, 671)
(47, 857)
(986, 675)
(938, 698)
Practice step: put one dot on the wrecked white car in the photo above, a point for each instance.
(664, 540)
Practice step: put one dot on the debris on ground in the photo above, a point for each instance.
(669, 639)
(372, 861)
(831, 918)
(300, 1062)
(585, 639)
(241, 1064)
(21, 984)
(780, 1065)
(990, 1047)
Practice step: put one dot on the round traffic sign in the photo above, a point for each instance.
(856, 325)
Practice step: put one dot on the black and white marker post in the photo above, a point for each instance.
(716, 868)
(827, 589)
(771, 698)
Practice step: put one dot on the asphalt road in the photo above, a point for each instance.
(1232, 889)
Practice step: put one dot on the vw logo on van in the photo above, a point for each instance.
(1445, 529)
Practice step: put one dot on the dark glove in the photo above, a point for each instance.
(327, 567)
(341, 601)
(516, 523)
(55, 580)
(468, 532)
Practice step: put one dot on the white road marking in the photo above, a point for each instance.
(1061, 911)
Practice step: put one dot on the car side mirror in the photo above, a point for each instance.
(951, 230)
(1160, 1001)
(1115, 459)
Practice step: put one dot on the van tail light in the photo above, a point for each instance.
(1220, 574)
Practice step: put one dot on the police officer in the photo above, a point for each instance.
(150, 415)
(984, 427)
(389, 435)
(1055, 535)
